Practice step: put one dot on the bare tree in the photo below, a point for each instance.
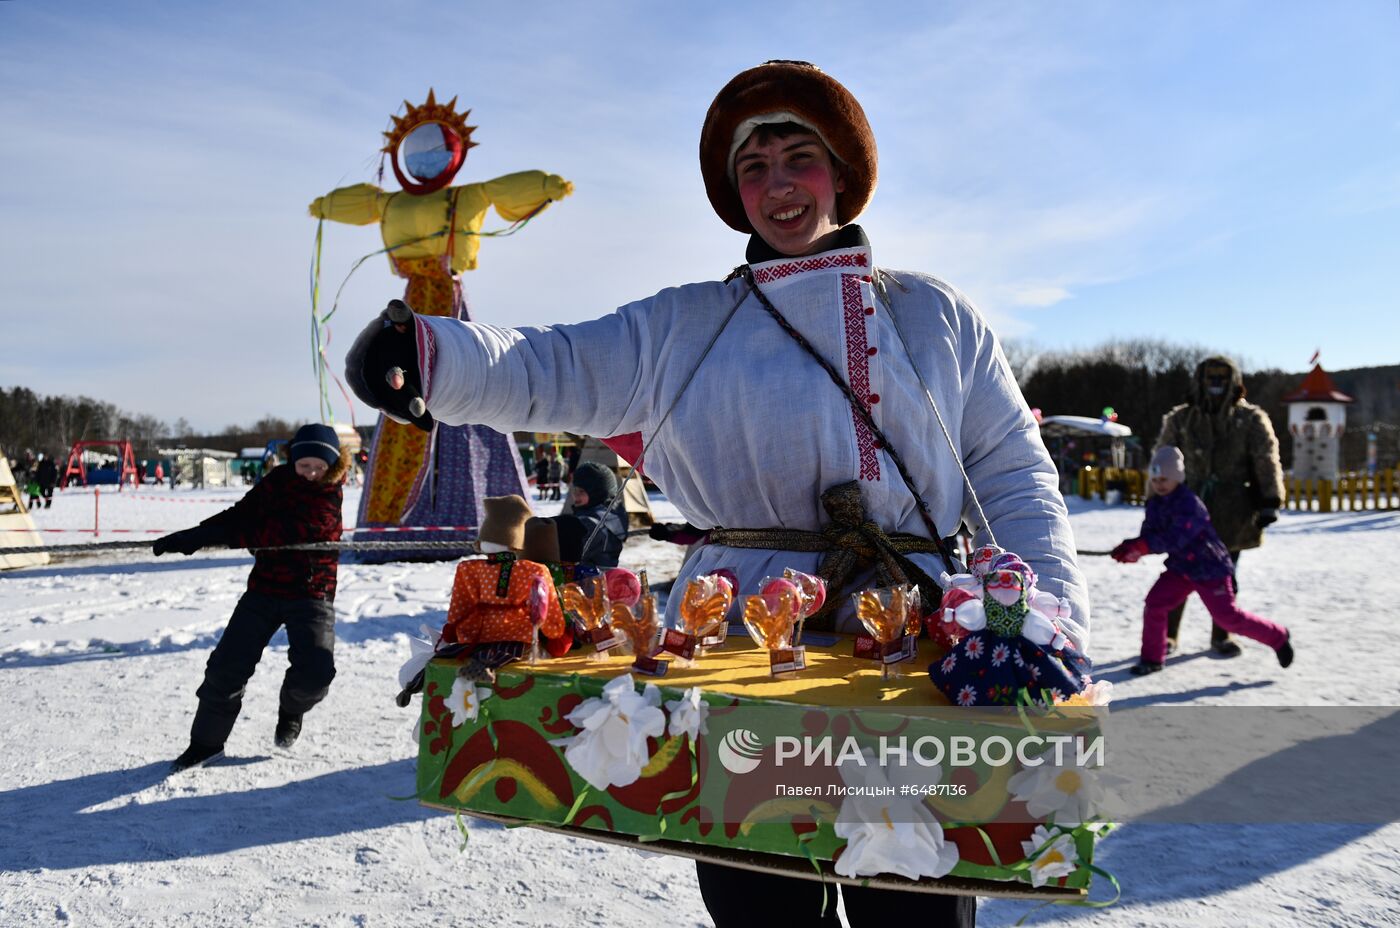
(1022, 355)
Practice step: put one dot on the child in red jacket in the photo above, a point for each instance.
(295, 503)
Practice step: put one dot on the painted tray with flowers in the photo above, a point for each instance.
(709, 743)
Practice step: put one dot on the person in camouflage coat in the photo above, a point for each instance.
(1232, 464)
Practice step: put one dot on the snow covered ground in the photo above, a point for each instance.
(99, 660)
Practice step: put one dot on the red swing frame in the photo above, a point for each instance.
(125, 452)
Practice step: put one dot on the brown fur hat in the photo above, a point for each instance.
(504, 521)
(802, 90)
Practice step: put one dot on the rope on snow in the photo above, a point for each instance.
(464, 544)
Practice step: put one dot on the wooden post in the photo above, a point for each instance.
(1324, 495)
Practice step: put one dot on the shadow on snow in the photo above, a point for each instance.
(128, 567)
(49, 827)
(377, 628)
(1160, 861)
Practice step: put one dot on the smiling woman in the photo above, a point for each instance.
(789, 184)
(810, 396)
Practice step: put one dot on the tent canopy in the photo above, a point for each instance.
(1070, 426)
(634, 497)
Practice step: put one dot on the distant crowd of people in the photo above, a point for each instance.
(37, 475)
(553, 471)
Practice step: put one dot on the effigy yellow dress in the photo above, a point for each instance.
(415, 478)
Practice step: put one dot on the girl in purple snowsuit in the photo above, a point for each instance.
(1178, 524)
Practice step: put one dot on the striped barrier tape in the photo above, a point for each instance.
(464, 544)
(162, 531)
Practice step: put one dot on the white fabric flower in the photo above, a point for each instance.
(1059, 859)
(1072, 793)
(612, 748)
(688, 715)
(890, 833)
(420, 651)
(1098, 693)
(464, 702)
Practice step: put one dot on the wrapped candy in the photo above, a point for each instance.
(771, 618)
(1010, 646)
(811, 596)
(891, 617)
(703, 609)
(541, 595)
(623, 586)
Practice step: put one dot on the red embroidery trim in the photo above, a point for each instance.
(788, 268)
(858, 370)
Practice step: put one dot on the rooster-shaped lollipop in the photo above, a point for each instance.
(770, 619)
(641, 626)
(890, 616)
(705, 604)
(704, 607)
(589, 607)
(1010, 640)
(590, 602)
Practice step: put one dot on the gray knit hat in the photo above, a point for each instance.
(1168, 462)
(599, 482)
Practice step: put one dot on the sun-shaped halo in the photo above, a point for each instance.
(431, 111)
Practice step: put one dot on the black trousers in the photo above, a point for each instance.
(1217, 633)
(311, 644)
(741, 898)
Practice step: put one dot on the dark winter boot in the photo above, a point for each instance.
(1143, 668)
(288, 729)
(1285, 651)
(1225, 647)
(196, 755)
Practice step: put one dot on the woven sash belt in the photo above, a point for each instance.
(851, 543)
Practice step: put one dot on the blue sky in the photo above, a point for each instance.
(1223, 174)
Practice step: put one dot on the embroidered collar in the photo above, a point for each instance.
(852, 251)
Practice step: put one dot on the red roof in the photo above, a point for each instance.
(1317, 387)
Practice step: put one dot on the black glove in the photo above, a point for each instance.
(681, 533)
(1265, 517)
(387, 344)
(188, 541)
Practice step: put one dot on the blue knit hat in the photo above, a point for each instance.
(316, 441)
